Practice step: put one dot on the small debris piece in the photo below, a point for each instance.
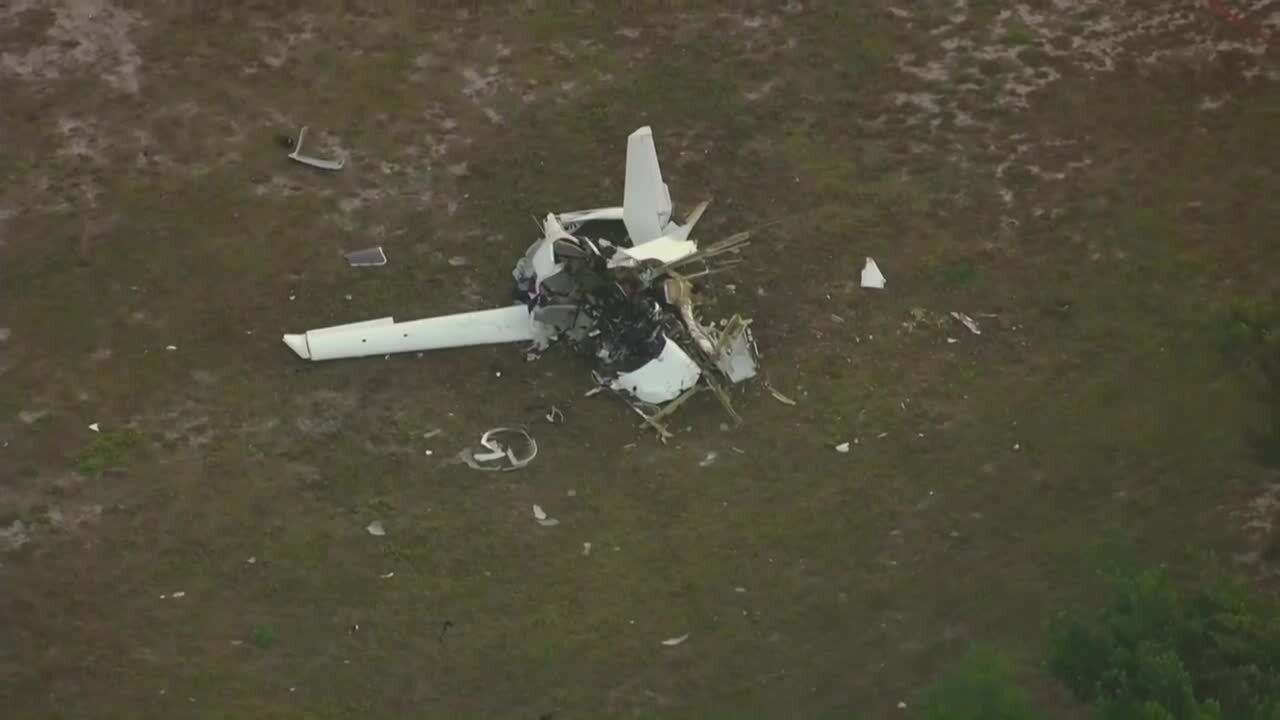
(498, 450)
(672, 642)
(549, 522)
(779, 396)
(368, 257)
(94, 427)
(871, 275)
(179, 594)
(458, 261)
(739, 589)
(586, 549)
(375, 528)
(842, 447)
(431, 433)
(572, 493)
(388, 575)
(555, 416)
(313, 161)
(539, 513)
(968, 322)
(902, 705)
(709, 459)
(252, 560)
(170, 348)
(952, 341)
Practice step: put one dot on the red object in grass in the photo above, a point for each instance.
(1219, 8)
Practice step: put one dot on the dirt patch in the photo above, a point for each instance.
(323, 412)
(83, 35)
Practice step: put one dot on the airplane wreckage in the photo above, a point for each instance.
(631, 308)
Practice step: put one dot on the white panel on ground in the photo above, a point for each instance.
(663, 378)
(384, 337)
(646, 204)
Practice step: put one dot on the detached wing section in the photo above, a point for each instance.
(646, 201)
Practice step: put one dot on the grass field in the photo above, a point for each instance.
(1094, 182)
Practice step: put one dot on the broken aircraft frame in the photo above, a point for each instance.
(631, 308)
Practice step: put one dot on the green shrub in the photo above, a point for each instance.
(981, 689)
(1252, 345)
(1155, 653)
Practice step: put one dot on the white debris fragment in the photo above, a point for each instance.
(968, 322)
(779, 396)
(94, 427)
(458, 261)
(555, 416)
(387, 575)
(672, 642)
(709, 459)
(251, 560)
(842, 447)
(375, 528)
(739, 589)
(952, 341)
(902, 705)
(313, 161)
(431, 433)
(367, 257)
(871, 275)
(586, 549)
(179, 594)
(497, 450)
(539, 513)
(170, 348)
(549, 522)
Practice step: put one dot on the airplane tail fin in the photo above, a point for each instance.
(646, 201)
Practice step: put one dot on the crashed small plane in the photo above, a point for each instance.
(630, 307)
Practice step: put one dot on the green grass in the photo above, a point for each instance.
(1090, 426)
(107, 451)
(982, 687)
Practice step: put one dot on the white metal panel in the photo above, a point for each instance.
(379, 337)
(663, 378)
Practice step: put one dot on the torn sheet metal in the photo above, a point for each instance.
(313, 161)
(502, 450)
(629, 306)
(661, 379)
(871, 275)
(738, 359)
(368, 257)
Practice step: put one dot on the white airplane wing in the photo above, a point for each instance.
(384, 336)
(646, 201)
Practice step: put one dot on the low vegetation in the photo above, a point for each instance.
(1252, 346)
(1155, 651)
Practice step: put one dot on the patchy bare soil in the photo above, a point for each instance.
(1093, 182)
